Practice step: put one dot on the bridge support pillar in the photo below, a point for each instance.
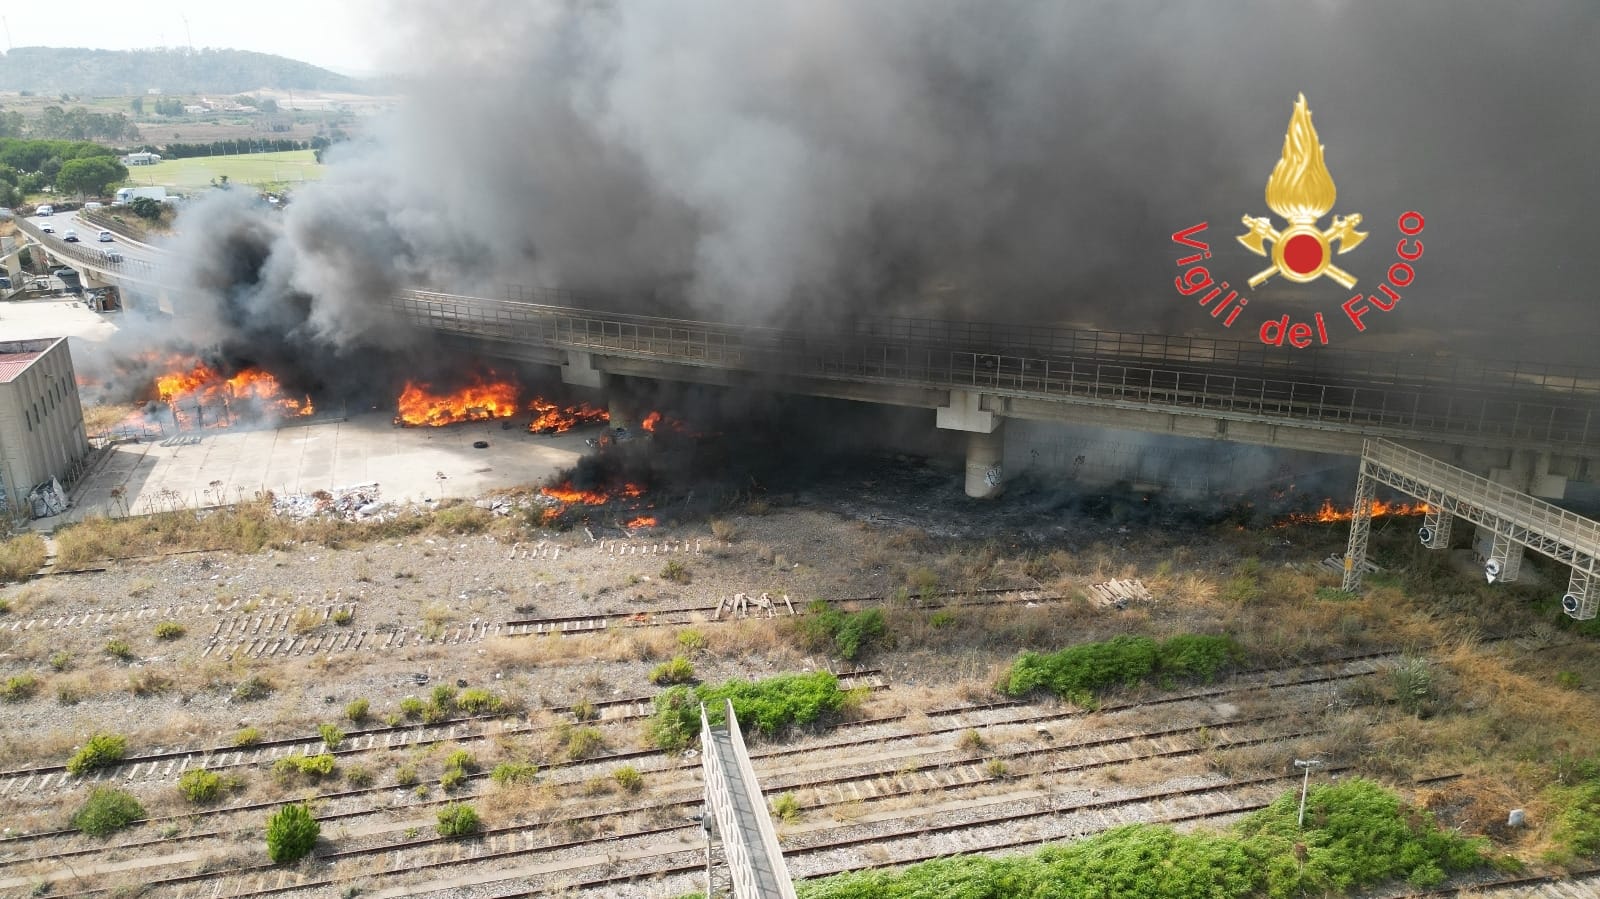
(986, 446)
(620, 409)
(1355, 554)
(579, 371)
(985, 463)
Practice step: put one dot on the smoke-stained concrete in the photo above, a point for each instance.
(799, 161)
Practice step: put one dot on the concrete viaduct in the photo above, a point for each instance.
(1526, 427)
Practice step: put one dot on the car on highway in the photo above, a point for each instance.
(105, 236)
(47, 228)
(70, 235)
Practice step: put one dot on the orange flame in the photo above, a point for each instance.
(655, 421)
(479, 401)
(1328, 513)
(567, 493)
(643, 521)
(548, 418)
(204, 385)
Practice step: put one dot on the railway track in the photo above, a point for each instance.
(504, 843)
(170, 764)
(900, 777)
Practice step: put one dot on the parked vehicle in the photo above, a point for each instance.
(126, 195)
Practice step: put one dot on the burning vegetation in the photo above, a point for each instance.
(1328, 513)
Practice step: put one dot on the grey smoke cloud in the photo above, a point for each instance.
(804, 161)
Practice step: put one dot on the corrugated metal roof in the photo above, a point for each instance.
(12, 364)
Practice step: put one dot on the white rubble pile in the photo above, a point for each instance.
(358, 503)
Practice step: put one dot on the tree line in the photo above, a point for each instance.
(235, 147)
(77, 123)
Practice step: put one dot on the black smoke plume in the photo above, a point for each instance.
(812, 161)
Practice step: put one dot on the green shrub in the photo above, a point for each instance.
(1577, 815)
(107, 810)
(250, 736)
(786, 809)
(252, 688)
(458, 819)
(119, 649)
(507, 773)
(60, 660)
(19, 688)
(200, 785)
(849, 634)
(1081, 672)
(582, 742)
(461, 759)
(677, 572)
(405, 776)
(444, 697)
(412, 707)
(101, 751)
(170, 630)
(677, 671)
(691, 640)
(342, 617)
(291, 832)
(1412, 681)
(477, 701)
(1356, 836)
(331, 735)
(313, 767)
(765, 706)
(452, 778)
(357, 711)
(358, 776)
(629, 778)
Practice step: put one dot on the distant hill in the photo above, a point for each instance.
(52, 70)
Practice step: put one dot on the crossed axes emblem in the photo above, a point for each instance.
(1343, 231)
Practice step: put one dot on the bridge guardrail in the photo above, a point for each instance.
(1415, 411)
(134, 269)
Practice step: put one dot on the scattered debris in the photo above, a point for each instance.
(480, 444)
(739, 605)
(1336, 565)
(348, 503)
(1118, 593)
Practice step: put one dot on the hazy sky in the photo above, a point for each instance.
(337, 34)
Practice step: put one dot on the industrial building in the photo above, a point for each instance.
(42, 439)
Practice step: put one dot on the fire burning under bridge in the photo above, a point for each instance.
(1530, 426)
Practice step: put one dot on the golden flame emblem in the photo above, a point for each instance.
(1301, 190)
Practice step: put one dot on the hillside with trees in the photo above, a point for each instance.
(75, 70)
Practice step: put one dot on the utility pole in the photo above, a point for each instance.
(1305, 765)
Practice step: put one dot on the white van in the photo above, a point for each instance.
(46, 209)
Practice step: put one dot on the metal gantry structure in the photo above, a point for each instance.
(1514, 518)
(736, 816)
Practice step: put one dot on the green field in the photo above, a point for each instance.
(184, 175)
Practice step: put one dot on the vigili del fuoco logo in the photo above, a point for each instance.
(1301, 191)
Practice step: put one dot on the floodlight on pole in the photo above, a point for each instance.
(1305, 765)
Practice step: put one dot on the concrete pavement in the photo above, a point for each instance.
(302, 458)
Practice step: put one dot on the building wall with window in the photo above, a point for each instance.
(41, 419)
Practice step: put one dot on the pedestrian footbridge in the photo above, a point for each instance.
(736, 816)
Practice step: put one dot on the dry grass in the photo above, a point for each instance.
(21, 556)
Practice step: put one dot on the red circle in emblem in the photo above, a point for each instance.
(1302, 254)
